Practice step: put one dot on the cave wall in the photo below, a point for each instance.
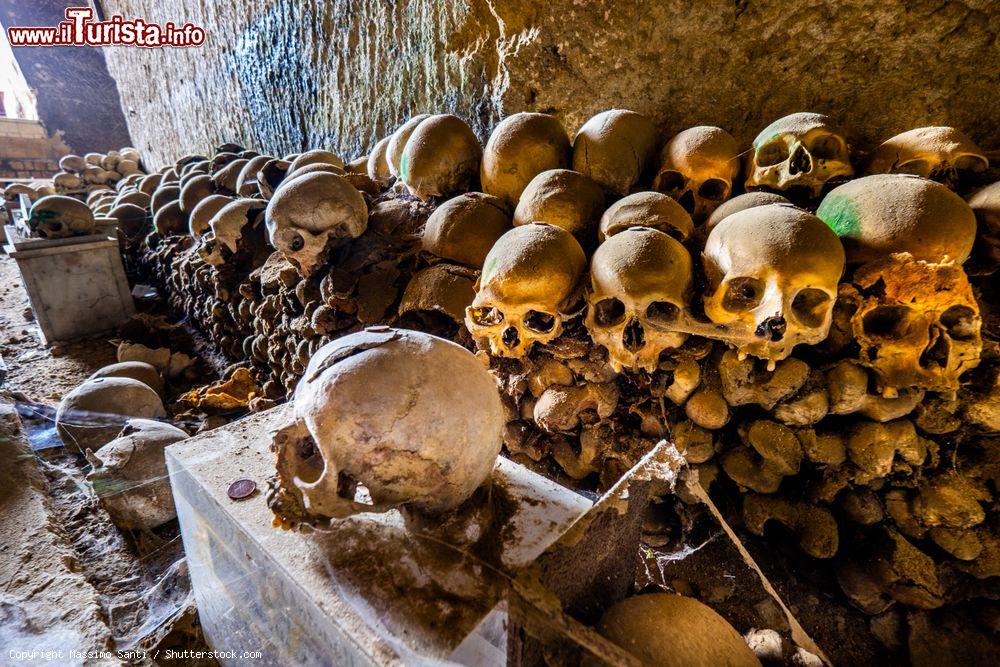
(77, 98)
(281, 75)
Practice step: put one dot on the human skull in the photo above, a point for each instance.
(741, 203)
(414, 418)
(441, 157)
(309, 215)
(201, 217)
(316, 156)
(227, 228)
(464, 228)
(773, 272)
(614, 148)
(646, 209)
(942, 154)
(565, 199)
(640, 283)
(918, 324)
(801, 150)
(529, 280)
(93, 413)
(876, 216)
(521, 147)
(58, 216)
(697, 168)
(985, 204)
(397, 142)
(377, 166)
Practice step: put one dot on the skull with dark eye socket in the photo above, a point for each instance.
(529, 280)
(697, 168)
(917, 325)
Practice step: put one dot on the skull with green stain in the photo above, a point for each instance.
(801, 151)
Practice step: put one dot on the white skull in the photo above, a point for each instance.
(697, 168)
(941, 154)
(802, 150)
(309, 215)
(227, 227)
(773, 272)
(640, 282)
(414, 418)
(528, 282)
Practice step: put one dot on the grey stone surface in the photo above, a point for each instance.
(281, 75)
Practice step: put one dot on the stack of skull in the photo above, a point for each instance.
(823, 361)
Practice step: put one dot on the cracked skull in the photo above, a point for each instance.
(309, 215)
(697, 168)
(801, 150)
(529, 280)
(942, 154)
(918, 324)
(640, 281)
(58, 216)
(370, 410)
(773, 272)
(227, 228)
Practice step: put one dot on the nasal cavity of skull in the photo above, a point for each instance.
(810, 306)
(486, 317)
(886, 322)
(633, 337)
(960, 322)
(800, 162)
(713, 189)
(662, 313)
(743, 294)
(539, 322)
(609, 312)
(937, 351)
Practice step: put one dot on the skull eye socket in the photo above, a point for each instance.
(886, 322)
(609, 312)
(810, 306)
(671, 181)
(539, 322)
(743, 294)
(960, 321)
(296, 242)
(662, 313)
(972, 163)
(486, 317)
(772, 154)
(915, 167)
(715, 189)
(825, 148)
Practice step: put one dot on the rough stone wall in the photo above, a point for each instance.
(285, 74)
(27, 151)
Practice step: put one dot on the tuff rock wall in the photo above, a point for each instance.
(281, 75)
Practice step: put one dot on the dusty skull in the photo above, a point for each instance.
(741, 203)
(773, 272)
(397, 142)
(614, 148)
(918, 324)
(529, 280)
(441, 157)
(309, 215)
(697, 168)
(227, 228)
(464, 228)
(646, 209)
(640, 280)
(521, 147)
(58, 216)
(801, 150)
(941, 154)
(876, 216)
(199, 222)
(563, 198)
(414, 418)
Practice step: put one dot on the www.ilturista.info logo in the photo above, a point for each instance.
(79, 30)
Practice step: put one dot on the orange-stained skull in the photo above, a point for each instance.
(697, 168)
(801, 150)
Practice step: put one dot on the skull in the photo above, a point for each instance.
(521, 147)
(199, 222)
(370, 410)
(985, 203)
(614, 148)
(227, 228)
(941, 154)
(58, 216)
(311, 214)
(441, 157)
(697, 169)
(918, 323)
(529, 280)
(773, 272)
(646, 209)
(377, 167)
(741, 203)
(802, 150)
(397, 142)
(464, 228)
(876, 216)
(565, 199)
(640, 280)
